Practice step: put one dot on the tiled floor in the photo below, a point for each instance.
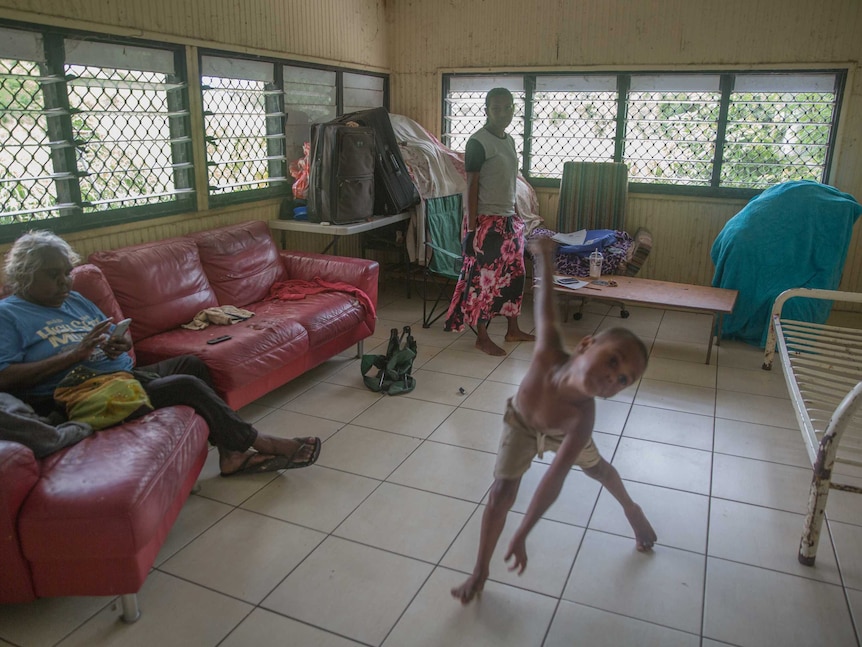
(363, 548)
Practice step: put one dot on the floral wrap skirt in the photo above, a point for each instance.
(492, 279)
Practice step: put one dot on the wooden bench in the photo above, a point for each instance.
(663, 294)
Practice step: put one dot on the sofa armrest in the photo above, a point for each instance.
(360, 272)
(19, 473)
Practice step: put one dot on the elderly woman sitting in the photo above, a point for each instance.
(50, 329)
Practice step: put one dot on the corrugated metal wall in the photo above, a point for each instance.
(429, 37)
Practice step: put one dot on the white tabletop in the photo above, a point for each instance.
(336, 229)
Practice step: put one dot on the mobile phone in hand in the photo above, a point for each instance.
(120, 329)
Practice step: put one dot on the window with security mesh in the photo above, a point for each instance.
(710, 133)
(244, 125)
(573, 118)
(28, 188)
(89, 127)
(130, 133)
(464, 108)
(671, 128)
(778, 129)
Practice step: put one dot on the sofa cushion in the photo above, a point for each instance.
(324, 316)
(160, 285)
(241, 261)
(257, 346)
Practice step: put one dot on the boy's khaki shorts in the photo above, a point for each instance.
(519, 444)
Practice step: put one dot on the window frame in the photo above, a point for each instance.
(281, 79)
(57, 151)
(528, 80)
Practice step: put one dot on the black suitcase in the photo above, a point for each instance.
(394, 190)
(341, 177)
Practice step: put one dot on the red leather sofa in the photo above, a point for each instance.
(91, 518)
(164, 284)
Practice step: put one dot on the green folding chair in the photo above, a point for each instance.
(443, 257)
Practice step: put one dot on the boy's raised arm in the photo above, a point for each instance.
(545, 308)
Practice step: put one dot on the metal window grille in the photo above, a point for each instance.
(466, 114)
(706, 131)
(778, 129)
(310, 97)
(571, 126)
(244, 125)
(28, 191)
(121, 126)
(670, 137)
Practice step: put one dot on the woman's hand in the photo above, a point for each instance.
(116, 346)
(92, 340)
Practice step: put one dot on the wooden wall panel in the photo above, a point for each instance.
(429, 37)
(350, 33)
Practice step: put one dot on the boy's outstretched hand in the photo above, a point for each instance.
(518, 550)
(539, 246)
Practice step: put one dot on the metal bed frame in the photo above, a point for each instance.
(822, 365)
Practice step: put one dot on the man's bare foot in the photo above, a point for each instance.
(471, 588)
(489, 347)
(645, 536)
(520, 335)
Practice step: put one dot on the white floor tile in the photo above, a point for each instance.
(333, 402)
(610, 574)
(504, 616)
(349, 589)
(469, 364)
(245, 555)
(679, 397)
(267, 629)
(490, 397)
(678, 518)
(315, 497)
(759, 409)
(405, 416)
(174, 613)
(672, 427)
(367, 452)
(767, 538)
(670, 466)
(445, 469)
(576, 624)
(847, 539)
(470, 429)
(407, 521)
(760, 483)
(754, 607)
(551, 550)
(442, 388)
(761, 442)
(671, 370)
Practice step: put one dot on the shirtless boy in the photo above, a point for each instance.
(554, 408)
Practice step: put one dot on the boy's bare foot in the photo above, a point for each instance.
(489, 347)
(471, 588)
(645, 536)
(520, 335)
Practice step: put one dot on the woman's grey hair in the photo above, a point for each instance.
(27, 255)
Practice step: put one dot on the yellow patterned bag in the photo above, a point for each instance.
(101, 399)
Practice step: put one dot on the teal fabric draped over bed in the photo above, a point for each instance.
(794, 234)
